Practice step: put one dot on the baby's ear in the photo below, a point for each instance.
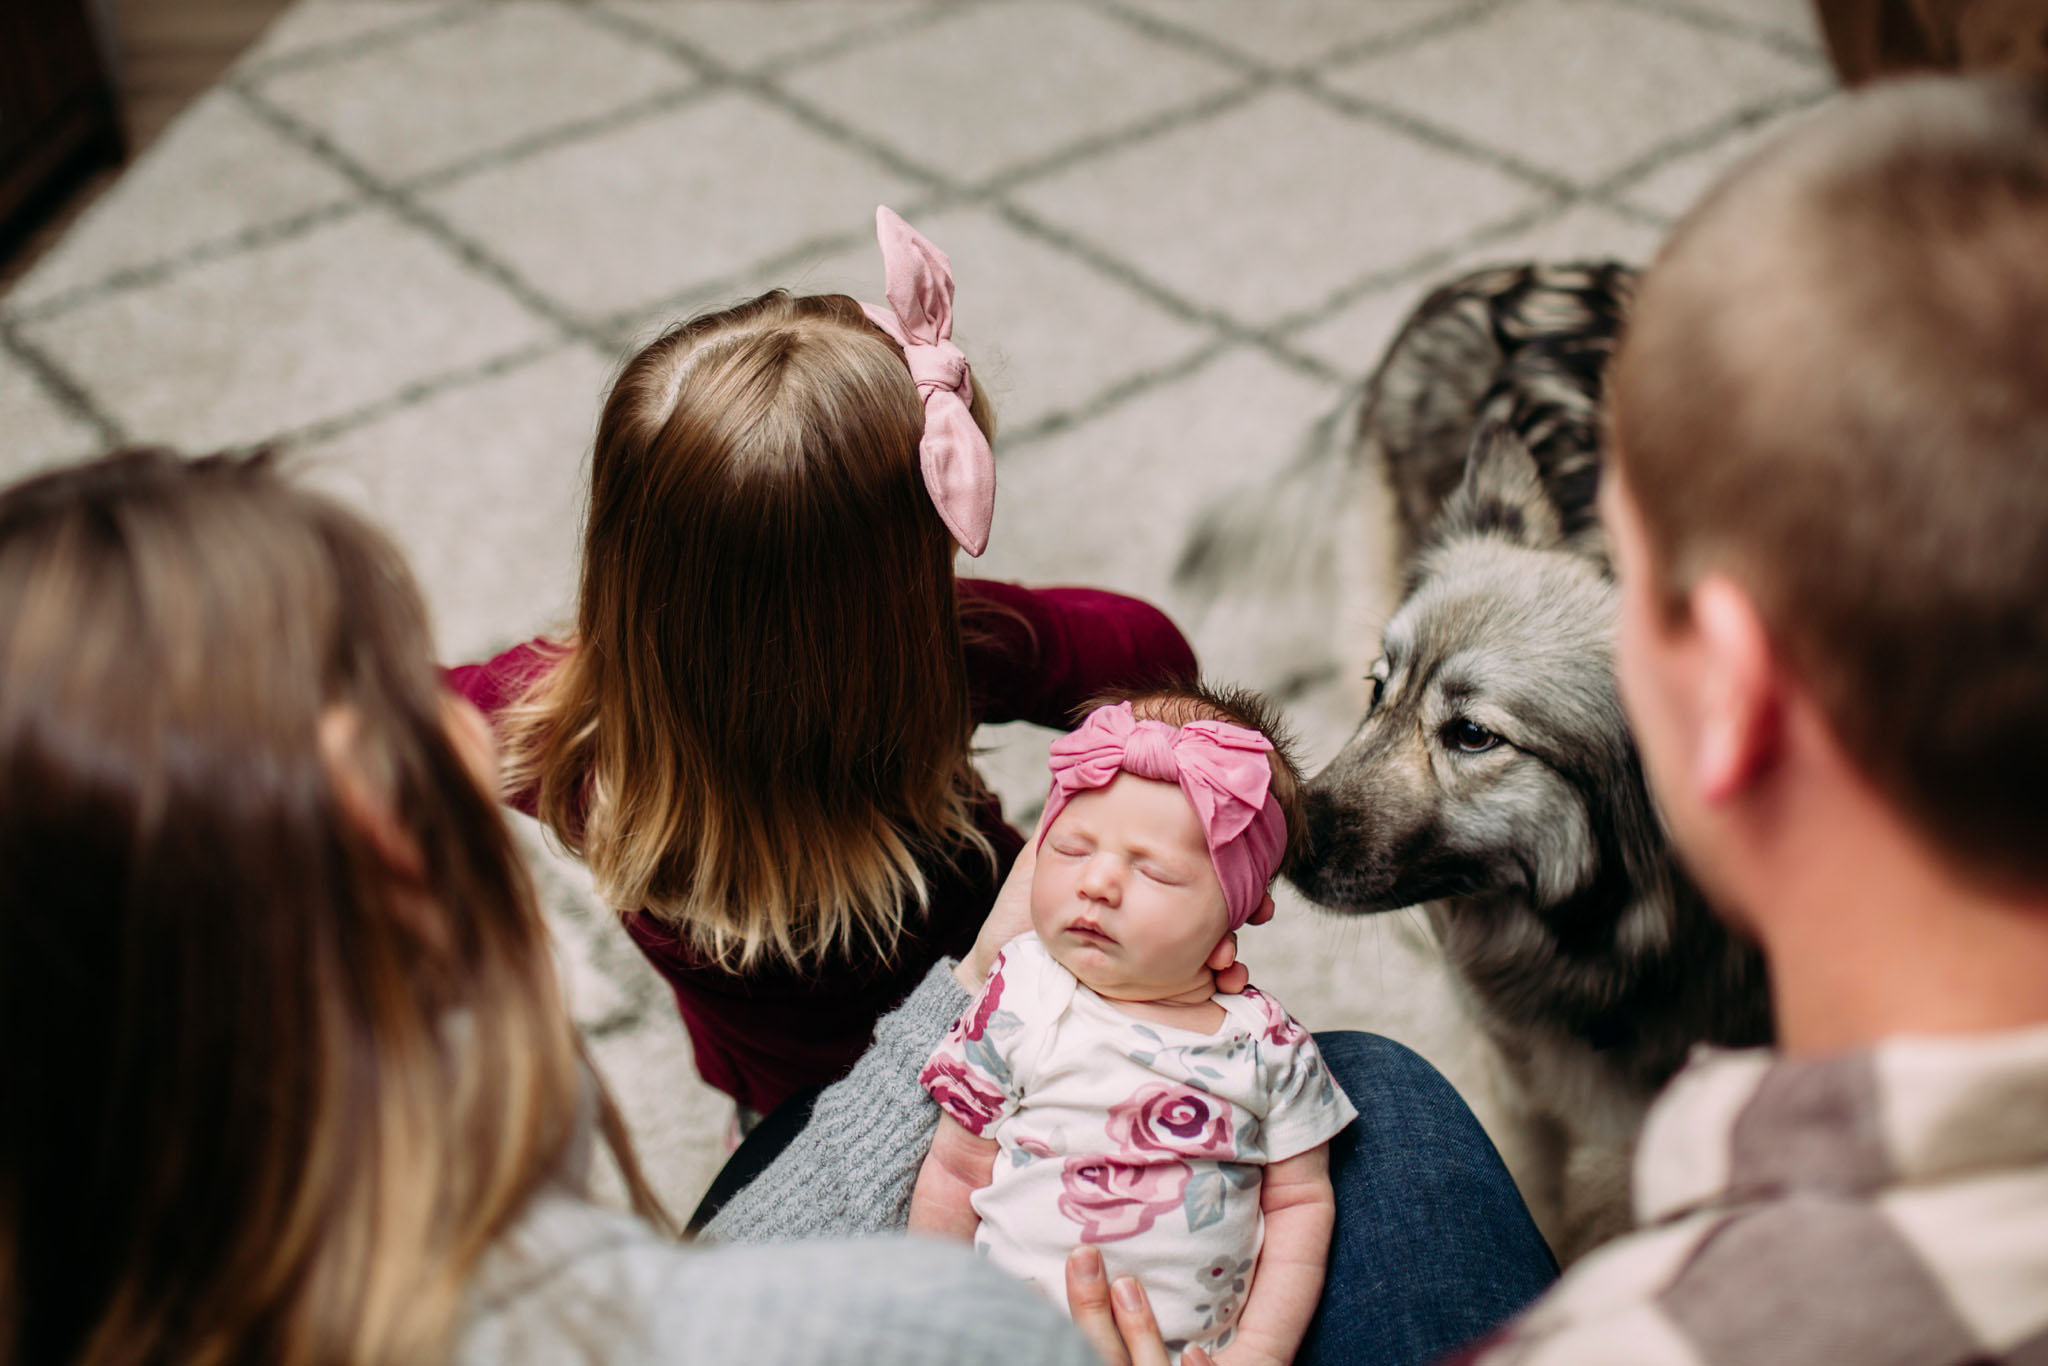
(1263, 913)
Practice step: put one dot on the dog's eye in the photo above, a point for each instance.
(1378, 679)
(1471, 738)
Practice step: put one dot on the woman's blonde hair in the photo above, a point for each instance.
(269, 1098)
(763, 722)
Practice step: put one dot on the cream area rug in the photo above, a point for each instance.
(409, 242)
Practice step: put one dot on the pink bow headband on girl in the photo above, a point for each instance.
(1222, 768)
(959, 467)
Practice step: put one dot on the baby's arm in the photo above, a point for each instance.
(1300, 1211)
(958, 1165)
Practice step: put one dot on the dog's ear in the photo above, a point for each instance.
(1503, 492)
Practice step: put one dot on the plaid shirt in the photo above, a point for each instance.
(1888, 1206)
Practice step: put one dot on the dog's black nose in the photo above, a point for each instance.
(1339, 866)
(1321, 816)
(1327, 832)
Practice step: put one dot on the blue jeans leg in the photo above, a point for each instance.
(1433, 1247)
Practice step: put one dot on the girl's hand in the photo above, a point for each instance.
(1117, 1319)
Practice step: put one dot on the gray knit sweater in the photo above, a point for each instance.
(852, 1168)
(573, 1283)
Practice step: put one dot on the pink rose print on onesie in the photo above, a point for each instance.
(973, 1022)
(1165, 1118)
(1113, 1197)
(961, 1094)
(1280, 1026)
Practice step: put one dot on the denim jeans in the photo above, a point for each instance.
(1433, 1247)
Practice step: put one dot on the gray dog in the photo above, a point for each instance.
(1493, 779)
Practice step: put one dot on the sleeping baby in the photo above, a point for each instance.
(1099, 1090)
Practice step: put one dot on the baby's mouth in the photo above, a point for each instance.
(1089, 931)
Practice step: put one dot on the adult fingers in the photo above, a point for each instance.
(1088, 1302)
(1134, 1321)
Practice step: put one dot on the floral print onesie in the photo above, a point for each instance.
(1144, 1139)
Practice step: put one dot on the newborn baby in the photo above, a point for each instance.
(1099, 1090)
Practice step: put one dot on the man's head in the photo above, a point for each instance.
(1831, 459)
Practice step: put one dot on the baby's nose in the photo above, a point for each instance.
(1100, 882)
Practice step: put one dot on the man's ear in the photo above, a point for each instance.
(1740, 699)
(368, 811)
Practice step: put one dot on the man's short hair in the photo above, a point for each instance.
(1835, 388)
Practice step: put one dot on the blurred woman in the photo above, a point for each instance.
(288, 1075)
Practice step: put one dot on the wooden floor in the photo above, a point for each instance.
(166, 52)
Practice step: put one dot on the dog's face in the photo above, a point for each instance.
(1487, 758)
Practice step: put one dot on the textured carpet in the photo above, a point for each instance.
(409, 242)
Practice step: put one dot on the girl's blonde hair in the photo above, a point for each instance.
(267, 1098)
(763, 722)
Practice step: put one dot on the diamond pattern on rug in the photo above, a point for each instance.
(409, 240)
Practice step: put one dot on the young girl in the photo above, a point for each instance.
(287, 1075)
(1099, 1089)
(758, 737)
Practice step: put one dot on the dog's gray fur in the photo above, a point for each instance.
(1586, 955)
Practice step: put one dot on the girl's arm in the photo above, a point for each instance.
(500, 681)
(959, 1165)
(1300, 1211)
(1039, 654)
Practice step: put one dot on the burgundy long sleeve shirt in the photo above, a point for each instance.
(1032, 654)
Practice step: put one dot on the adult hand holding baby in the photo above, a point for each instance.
(1011, 916)
(1117, 1320)
(1163, 832)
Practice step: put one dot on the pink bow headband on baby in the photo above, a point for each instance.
(959, 468)
(1222, 768)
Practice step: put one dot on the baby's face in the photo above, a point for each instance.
(1124, 896)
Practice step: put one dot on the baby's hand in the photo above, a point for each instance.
(1232, 976)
